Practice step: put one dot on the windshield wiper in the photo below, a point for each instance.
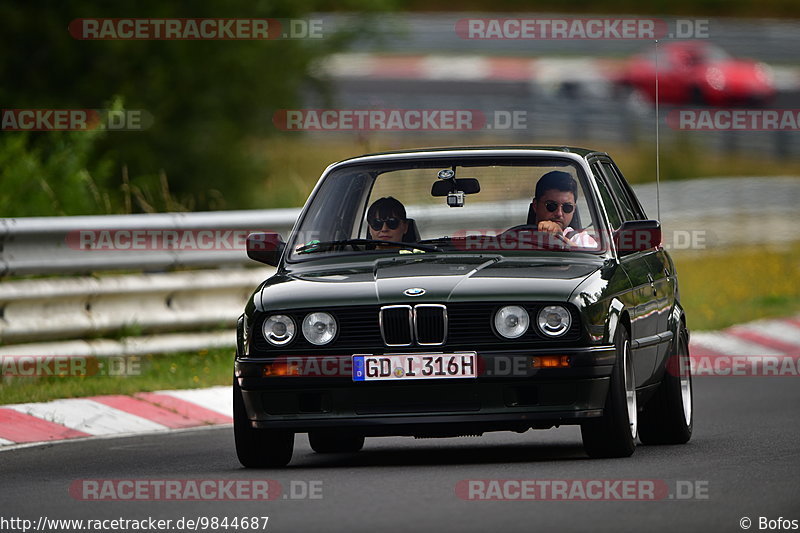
(317, 246)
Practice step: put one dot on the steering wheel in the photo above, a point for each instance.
(560, 236)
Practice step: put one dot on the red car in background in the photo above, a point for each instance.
(698, 73)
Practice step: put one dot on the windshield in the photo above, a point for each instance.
(450, 206)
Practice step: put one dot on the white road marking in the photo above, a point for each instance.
(725, 344)
(88, 416)
(219, 399)
(455, 68)
(778, 330)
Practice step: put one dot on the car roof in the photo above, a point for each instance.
(465, 150)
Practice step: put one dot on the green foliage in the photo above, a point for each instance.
(208, 100)
(52, 174)
(205, 368)
(715, 8)
(764, 284)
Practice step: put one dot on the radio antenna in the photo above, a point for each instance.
(658, 168)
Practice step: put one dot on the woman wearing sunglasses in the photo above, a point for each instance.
(387, 220)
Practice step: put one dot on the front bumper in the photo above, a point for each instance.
(508, 394)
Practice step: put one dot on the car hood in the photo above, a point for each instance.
(443, 279)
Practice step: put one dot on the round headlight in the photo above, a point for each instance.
(319, 328)
(278, 329)
(554, 320)
(511, 321)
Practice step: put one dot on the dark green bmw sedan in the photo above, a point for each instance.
(451, 292)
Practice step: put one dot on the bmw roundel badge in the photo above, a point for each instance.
(414, 291)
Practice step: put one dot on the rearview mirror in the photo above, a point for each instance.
(265, 247)
(465, 185)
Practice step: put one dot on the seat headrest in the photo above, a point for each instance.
(412, 233)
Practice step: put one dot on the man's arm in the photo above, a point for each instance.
(582, 238)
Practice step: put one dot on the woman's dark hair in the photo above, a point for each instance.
(385, 208)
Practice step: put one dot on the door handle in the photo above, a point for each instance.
(652, 284)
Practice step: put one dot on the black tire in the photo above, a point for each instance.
(258, 448)
(664, 419)
(614, 434)
(328, 441)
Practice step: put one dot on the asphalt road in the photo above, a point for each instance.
(743, 456)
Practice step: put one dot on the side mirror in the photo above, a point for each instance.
(637, 236)
(265, 247)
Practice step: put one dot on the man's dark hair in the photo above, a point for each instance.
(558, 180)
(385, 208)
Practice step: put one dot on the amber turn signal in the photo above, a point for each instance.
(550, 361)
(280, 369)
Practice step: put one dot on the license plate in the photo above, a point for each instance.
(415, 366)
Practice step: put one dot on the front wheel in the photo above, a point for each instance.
(258, 448)
(667, 418)
(614, 434)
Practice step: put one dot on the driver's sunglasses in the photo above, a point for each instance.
(377, 223)
(552, 206)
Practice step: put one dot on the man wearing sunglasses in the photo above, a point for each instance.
(387, 220)
(554, 208)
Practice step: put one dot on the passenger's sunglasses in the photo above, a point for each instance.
(377, 223)
(551, 206)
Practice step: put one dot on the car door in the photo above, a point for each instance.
(636, 267)
(658, 300)
(660, 265)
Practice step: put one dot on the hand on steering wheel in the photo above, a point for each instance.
(539, 229)
(555, 229)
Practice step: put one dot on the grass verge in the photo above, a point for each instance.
(296, 163)
(206, 368)
(722, 288)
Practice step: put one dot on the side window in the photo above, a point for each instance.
(637, 205)
(611, 207)
(629, 212)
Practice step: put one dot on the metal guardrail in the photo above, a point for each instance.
(62, 316)
(68, 308)
(54, 245)
(158, 311)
